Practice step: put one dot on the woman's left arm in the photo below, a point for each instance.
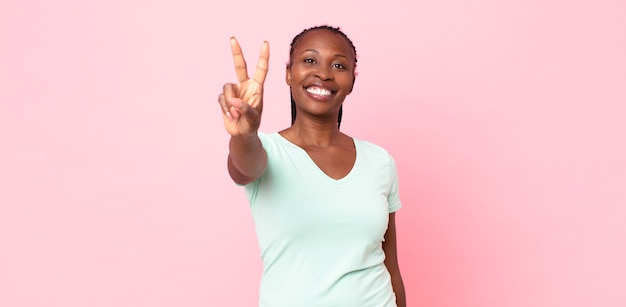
(391, 261)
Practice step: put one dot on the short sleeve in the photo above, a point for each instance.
(394, 190)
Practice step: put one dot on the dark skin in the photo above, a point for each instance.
(320, 75)
(391, 261)
(323, 60)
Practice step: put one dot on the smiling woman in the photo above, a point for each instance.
(323, 202)
(311, 61)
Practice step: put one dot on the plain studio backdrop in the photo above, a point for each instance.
(507, 120)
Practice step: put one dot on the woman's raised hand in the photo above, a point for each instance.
(242, 103)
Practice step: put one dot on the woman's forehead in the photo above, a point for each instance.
(321, 39)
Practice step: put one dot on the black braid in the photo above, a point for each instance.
(293, 44)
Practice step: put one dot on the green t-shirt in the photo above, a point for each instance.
(321, 238)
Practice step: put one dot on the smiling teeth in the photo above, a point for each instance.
(318, 91)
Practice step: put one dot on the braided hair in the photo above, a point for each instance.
(295, 40)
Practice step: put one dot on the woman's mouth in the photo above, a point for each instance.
(319, 93)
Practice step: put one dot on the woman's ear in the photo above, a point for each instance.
(288, 75)
(352, 87)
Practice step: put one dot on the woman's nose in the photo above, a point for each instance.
(324, 73)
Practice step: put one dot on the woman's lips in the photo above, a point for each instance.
(319, 93)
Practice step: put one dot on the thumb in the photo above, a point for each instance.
(250, 116)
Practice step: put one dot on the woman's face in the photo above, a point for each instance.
(321, 72)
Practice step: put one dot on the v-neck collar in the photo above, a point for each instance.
(319, 171)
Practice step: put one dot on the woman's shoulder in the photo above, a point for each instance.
(371, 147)
(269, 139)
(274, 141)
(265, 135)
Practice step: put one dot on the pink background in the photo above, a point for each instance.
(506, 118)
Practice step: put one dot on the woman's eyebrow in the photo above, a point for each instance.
(317, 52)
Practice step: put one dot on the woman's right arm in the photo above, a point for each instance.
(242, 105)
(247, 160)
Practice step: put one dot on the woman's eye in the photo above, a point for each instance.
(309, 61)
(339, 66)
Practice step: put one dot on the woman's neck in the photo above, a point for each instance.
(313, 133)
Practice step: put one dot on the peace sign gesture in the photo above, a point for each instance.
(242, 103)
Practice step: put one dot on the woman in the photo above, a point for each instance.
(323, 203)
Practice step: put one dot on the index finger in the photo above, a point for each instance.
(240, 63)
(261, 67)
